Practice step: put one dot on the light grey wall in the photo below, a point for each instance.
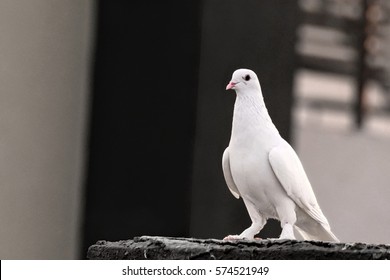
(349, 172)
(44, 70)
(348, 168)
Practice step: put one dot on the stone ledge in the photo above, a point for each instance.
(156, 247)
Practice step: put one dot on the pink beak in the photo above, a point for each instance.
(230, 85)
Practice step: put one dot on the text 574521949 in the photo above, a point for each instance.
(240, 270)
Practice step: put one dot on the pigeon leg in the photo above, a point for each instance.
(287, 232)
(287, 220)
(258, 223)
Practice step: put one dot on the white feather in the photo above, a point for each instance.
(228, 175)
(290, 173)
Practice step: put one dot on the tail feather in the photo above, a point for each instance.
(320, 233)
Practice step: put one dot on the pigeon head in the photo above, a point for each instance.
(244, 80)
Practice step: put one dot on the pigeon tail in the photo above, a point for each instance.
(321, 234)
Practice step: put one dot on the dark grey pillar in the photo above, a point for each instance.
(142, 120)
(159, 124)
(237, 34)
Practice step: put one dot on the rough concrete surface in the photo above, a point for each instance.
(156, 247)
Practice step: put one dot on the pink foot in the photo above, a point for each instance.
(237, 237)
(233, 237)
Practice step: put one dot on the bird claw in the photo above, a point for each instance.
(238, 237)
(232, 237)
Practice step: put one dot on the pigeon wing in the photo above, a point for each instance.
(291, 175)
(228, 174)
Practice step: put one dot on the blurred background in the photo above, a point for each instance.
(114, 116)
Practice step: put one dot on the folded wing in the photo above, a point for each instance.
(228, 174)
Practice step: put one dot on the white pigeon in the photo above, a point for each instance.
(263, 169)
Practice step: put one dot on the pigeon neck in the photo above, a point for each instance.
(250, 103)
(250, 111)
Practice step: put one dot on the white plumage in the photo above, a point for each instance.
(263, 169)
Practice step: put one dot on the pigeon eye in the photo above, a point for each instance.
(247, 78)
